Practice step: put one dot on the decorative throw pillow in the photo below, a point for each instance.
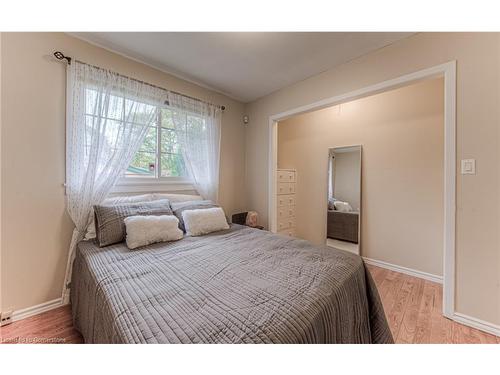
(109, 220)
(121, 199)
(179, 207)
(139, 198)
(145, 230)
(203, 221)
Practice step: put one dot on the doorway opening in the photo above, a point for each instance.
(393, 155)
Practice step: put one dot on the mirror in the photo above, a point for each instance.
(344, 198)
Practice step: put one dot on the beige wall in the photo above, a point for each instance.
(401, 132)
(1, 305)
(34, 248)
(36, 229)
(478, 113)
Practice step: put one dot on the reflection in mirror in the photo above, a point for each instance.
(344, 198)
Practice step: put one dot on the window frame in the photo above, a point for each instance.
(131, 184)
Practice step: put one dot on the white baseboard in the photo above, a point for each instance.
(407, 271)
(35, 310)
(477, 323)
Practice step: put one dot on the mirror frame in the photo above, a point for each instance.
(360, 147)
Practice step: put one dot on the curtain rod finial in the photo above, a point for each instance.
(60, 56)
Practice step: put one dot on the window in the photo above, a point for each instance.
(160, 155)
(159, 158)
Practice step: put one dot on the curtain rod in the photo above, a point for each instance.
(60, 56)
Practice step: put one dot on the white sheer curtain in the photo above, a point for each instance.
(107, 119)
(199, 127)
(330, 175)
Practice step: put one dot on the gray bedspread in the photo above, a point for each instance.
(240, 285)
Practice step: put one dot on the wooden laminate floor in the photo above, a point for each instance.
(51, 327)
(413, 308)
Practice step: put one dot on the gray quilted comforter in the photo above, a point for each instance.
(235, 286)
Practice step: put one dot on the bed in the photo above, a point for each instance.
(240, 285)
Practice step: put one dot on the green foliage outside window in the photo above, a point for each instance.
(171, 161)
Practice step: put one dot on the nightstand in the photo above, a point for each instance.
(241, 219)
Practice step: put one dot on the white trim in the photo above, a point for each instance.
(450, 175)
(446, 70)
(152, 185)
(273, 166)
(477, 323)
(37, 309)
(152, 188)
(407, 271)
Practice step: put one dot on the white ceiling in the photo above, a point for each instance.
(245, 66)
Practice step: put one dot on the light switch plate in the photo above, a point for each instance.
(468, 166)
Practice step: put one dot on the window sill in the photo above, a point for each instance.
(152, 186)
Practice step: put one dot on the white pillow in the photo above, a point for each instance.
(145, 230)
(342, 206)
(203, 221)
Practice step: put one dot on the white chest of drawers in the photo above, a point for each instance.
(285, 200)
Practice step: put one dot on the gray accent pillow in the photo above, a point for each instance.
(109, 219)
(179, 207)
